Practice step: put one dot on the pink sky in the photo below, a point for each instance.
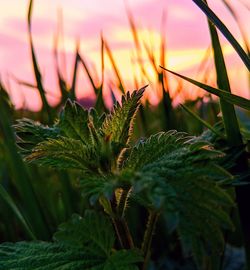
(186, 28)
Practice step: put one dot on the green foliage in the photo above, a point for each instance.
(80, 139)
(118, 125)
(16, 169)
(169, 172)
(176, 174)
(31, 133)
(82, 243)
(39, 255)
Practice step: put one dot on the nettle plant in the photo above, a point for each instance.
(170, 173)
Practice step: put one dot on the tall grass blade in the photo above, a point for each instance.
(228, 111)
(72, 93)
(136, 41)
(86, 68)
(9, 201)
(221, 26)
(61, 81)
(19, 173)
(163, 81)
(115, 68)
(233, 136)
(100, 105)
(37, 72)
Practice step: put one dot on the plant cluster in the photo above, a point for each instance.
(170, 173)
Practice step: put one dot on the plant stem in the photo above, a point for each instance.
(123, 233)
(122, 204)
(114, 221)
(148, 235)
(121, 227)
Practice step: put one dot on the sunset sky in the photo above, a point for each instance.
(186, 32)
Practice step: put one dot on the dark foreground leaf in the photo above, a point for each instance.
(179, 175)
(82, 243)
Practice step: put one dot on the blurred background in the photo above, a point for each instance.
(187, 44)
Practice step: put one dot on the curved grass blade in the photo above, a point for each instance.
(9, 201)
(203, 122)
(231, 98)
(37, 72)
(221, 26)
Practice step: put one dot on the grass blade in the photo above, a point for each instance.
(115, 68)
(233, 136)
(228, 111)
(72, 93)
(136, 41)
(230, 98)
(8, 200)
(100, 105)
(91, 79)
(203, 122)
(62, 83)
(37, 72)
(221, 26)
(19, 173)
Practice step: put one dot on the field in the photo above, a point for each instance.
(135, 186)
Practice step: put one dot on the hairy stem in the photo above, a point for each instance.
(117, 230)
(121, 227)
(123, 200)
(123, 233)
(148, 235)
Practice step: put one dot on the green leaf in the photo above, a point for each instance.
(179, 175)
(118, 125)
(93, 232)
(231, 98)
(82, 243)
(72, 142)
(93, 187)
(155, 147)
(81, 139)
(64, 153)
(73, 122)
(30, 133)
(41, 256)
